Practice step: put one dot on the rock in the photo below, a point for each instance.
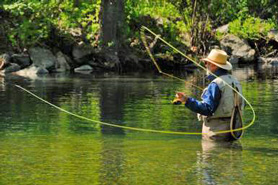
(84, 68)
(32, 71)
(42, 58)
(111, 61)
(41, 70)
(5, 60)
(95, 63)
(1, 64)
(21, 59)
(233, 59)
(12, 68)
(61, 64)
(269, 60)
(223, 29)
(238, 48)
(80, 52)
(273, 34)
(69, 61)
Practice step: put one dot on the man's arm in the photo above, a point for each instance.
(208, 106)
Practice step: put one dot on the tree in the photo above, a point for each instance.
(112, 23)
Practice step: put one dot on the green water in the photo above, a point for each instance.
(42, 145)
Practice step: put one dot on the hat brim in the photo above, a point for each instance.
(228, 66)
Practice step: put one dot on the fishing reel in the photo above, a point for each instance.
(176, 102)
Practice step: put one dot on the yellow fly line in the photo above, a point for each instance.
(160, 71)
(143, 37)
(100, 122)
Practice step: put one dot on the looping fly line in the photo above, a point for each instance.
(101, 122)
(166, 74)
(143, 37)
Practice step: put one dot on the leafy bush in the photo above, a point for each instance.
(85, 17)
(160, 16)
(33, 21)
(251, 27)
(28, 26)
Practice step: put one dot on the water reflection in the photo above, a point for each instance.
(267, 70)
(244, 73)
(112, 101)
(112, 161)
(220, 162)
(42, 145)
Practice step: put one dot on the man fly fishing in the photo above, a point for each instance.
(221, 106)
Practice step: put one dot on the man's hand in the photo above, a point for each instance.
(180, 98)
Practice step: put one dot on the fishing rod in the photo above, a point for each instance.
(101, 122)
(143, 29)
(143, 37)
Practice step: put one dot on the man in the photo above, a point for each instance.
(218, 99)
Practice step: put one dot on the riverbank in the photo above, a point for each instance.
(82, 58)
(72, 40)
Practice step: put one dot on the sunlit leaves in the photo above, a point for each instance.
(34, 20)
(252, 28)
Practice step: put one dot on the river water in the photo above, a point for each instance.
(43, 145)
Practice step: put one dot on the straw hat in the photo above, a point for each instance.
(219, 58)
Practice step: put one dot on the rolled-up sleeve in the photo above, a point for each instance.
(210, 101)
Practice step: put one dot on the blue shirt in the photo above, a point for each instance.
(210, 98)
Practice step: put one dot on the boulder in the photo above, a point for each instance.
(61, 64)
(12, 68)
(237, 48)
(223, 29)
(81, 52)
(234, 59)
(5, 60)
(32, 71)
(21, 59)
(42, 58)
(111, 61)
(83, 69)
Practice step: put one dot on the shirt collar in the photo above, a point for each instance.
(218, 72)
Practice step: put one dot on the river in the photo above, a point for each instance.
(43, 145)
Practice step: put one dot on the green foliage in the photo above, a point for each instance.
(24, 29)
(252, 28)
(85, 18)
(177, 20)
(152, 8)
(185, 21)
(33, 21)
(163, 17)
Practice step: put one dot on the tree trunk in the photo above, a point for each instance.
(76, 3)
(112, 22)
